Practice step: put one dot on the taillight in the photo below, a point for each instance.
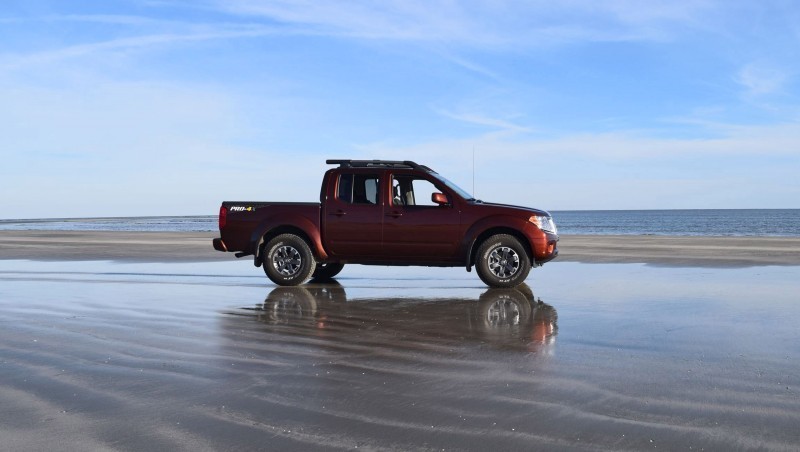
(223, 217)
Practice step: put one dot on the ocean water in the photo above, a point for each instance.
(200, 223)
(705, 222)
(710, 222)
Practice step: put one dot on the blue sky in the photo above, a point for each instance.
(163, 107)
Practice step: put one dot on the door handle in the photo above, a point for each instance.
(339, 213)
(394, 214)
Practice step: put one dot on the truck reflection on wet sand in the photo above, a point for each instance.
(510, 318)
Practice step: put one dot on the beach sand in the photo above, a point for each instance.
(154, 341)
(107, 245)
(196, 247)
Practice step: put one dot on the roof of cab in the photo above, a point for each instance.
(344, 163)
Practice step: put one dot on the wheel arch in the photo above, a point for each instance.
(269, 234)
(494, 230)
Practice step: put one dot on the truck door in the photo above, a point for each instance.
(414, 227)
(354, 215)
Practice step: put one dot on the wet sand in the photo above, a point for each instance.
(187, 353)
(196, 247)
(681, 251)
(107, 245)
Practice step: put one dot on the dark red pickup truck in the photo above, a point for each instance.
(381, 212)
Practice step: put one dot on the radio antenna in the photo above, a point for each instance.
(473, 171)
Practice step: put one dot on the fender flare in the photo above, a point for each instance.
(514, 225)
(290, 224)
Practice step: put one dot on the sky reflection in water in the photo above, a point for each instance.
(617, 356)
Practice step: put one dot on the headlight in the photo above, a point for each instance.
(544, 223)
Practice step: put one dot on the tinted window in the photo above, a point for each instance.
(358, 188)
(345, 188)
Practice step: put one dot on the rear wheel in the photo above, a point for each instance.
(501, 261)
(289, 305)
(327, 271)
(288, 260)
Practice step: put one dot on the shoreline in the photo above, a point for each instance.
(684, 251)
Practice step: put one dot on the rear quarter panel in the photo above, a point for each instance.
(248, 221)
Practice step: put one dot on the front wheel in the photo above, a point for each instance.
(288, 260)
(501, 261)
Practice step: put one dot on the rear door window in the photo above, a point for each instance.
(358, 188)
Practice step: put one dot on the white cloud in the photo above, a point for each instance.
(729, 140)
(79, 130)
(108, 19)
(622, 170)
(486, 121)
(472, 66)
(760, 79)
(117, 148)
(11, 62)
(114, 148)
(523, 24)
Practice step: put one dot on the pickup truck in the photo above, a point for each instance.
(381, 212)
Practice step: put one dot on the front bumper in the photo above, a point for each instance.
(548, 249)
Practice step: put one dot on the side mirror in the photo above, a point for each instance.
(439, 198)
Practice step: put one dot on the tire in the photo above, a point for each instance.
(502, 262)
(503, 308)
(327, 271)
(288, 260)
(288, 305)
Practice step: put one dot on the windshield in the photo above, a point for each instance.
(459, 191)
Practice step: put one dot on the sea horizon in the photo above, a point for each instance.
(110, 217)
(679, 222)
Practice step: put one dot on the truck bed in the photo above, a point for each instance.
(246, 220)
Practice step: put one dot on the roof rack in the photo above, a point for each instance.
(378, 164)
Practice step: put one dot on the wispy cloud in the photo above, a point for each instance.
(759, 79)
(471, 66)
(109, 19)
(524, 24)
(10, 62)
(165, 90)
(728, 140)
(128, 148)
(615, 148)
(621, 170)
(486, 121)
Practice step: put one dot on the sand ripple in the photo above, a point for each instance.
(178, 360)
